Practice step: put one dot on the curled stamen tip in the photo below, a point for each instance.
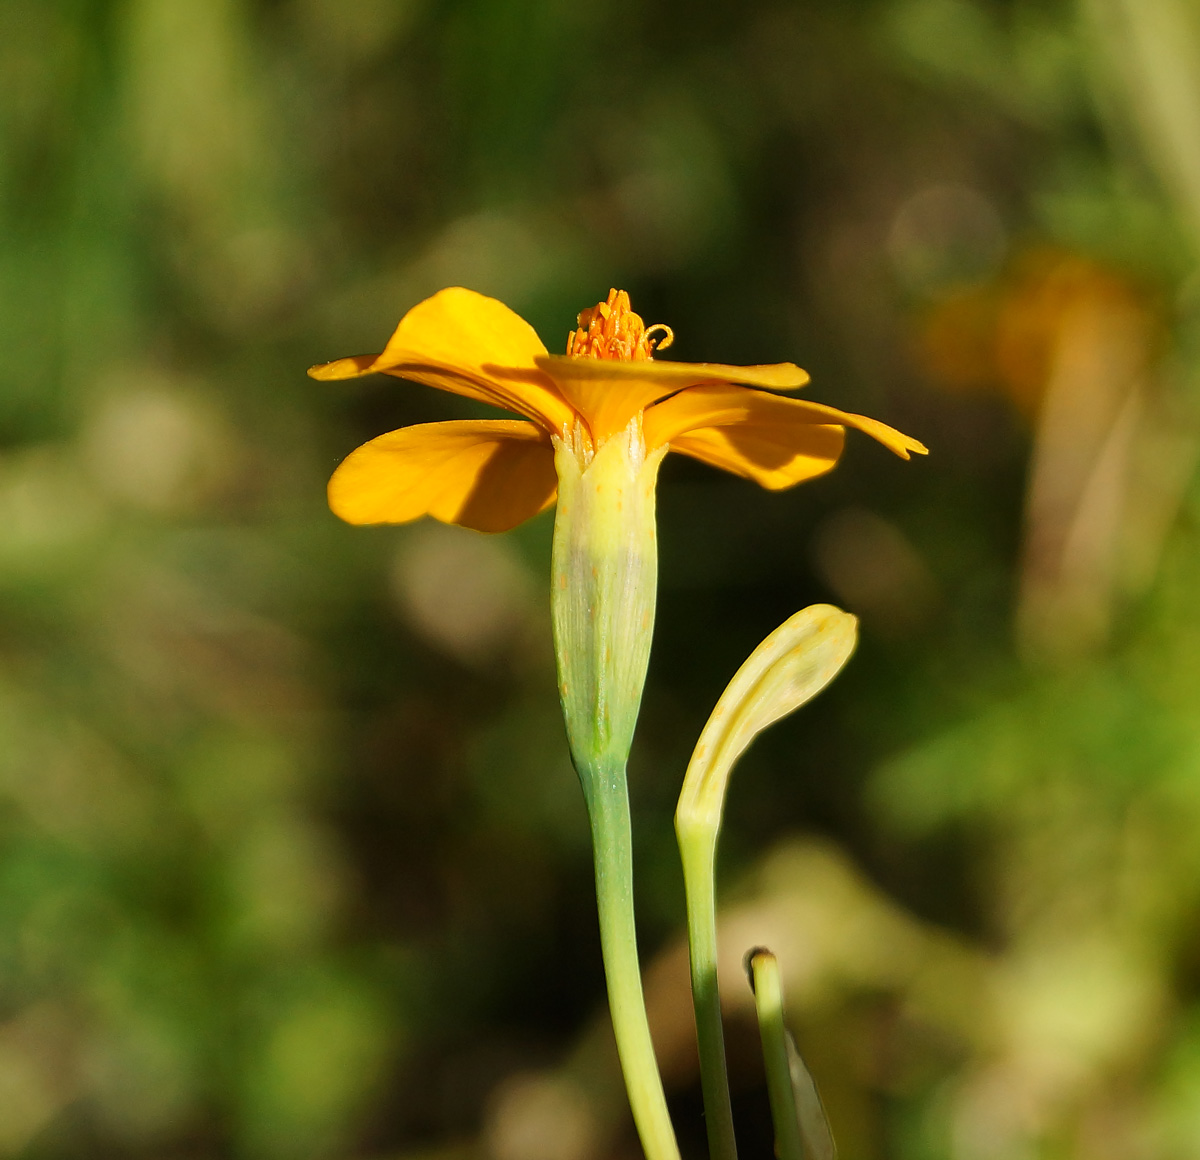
(668, 336)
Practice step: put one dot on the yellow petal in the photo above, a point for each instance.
(774, 456)
(608, 393)
(486, 474)
(730, 406)
(471, 345)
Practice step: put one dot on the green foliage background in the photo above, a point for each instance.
(292, 860)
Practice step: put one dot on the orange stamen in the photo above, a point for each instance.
(611, 330)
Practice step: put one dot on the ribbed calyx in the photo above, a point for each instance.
(604, 581)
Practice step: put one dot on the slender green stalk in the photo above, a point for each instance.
(605, 569)
(608, 810)
(698, 848)
(768, 1002)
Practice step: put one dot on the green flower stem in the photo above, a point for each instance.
(605, 576)
(768, 1002)
(608, 810)
(698, 848)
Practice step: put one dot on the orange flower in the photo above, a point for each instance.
(492, 474)
(596, 424)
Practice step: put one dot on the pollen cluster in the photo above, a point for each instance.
(611, 330)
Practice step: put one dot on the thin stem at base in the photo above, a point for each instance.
(608, 809)
(698, 851)
(768, 1002)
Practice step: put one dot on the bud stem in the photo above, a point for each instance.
(698, 849)
(768, 1002)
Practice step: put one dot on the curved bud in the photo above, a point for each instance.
(790, 667)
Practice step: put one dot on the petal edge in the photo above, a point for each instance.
(732, 406)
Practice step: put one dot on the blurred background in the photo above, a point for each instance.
(292, 859)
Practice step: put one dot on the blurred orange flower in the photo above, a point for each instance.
(492, 474)
(1008, 334)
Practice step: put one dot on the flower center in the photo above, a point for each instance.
(611, 330)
